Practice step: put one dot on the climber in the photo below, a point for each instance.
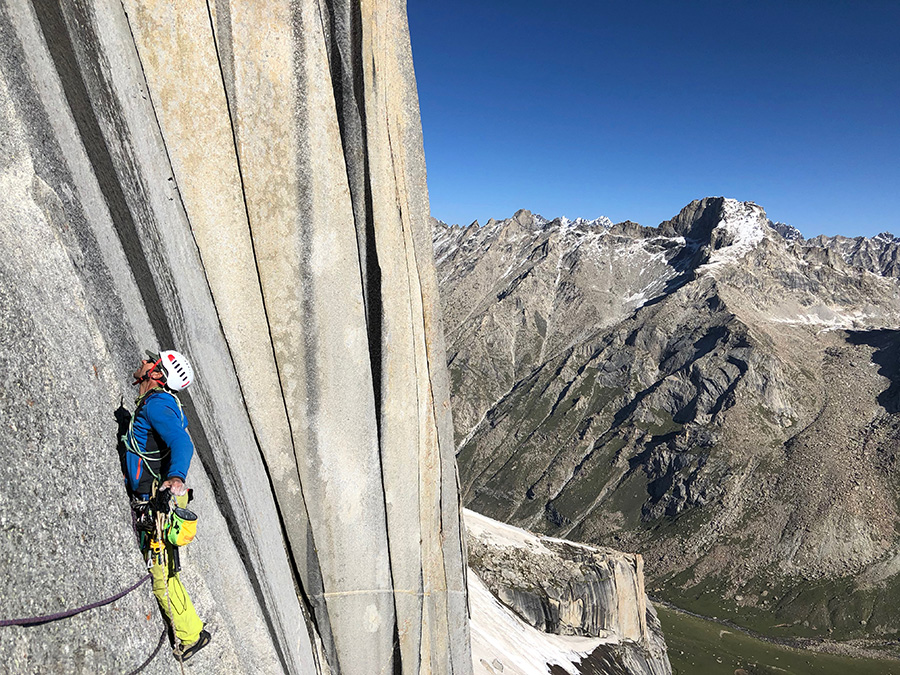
(158, 455)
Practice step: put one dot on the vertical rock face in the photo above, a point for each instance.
(560, 588)
(243, 182)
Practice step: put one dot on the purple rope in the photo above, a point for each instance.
(152, 656)
(46, 618)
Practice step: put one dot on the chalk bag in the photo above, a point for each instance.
(181, 527)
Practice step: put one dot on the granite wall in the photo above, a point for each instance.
(242, 181)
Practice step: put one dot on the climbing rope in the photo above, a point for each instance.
(162, 639)
(46, 618)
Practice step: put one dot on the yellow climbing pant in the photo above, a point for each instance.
(183, 617)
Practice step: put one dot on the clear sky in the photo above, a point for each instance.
(631, 109)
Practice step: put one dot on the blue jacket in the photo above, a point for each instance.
(158, 443)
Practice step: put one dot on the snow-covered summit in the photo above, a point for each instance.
(602, 221)
(742, 226)
(564, 222)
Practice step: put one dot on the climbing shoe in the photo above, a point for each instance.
(191, 649)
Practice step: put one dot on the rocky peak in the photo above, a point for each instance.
(524, 217)
(718, 221)
(788, 232)
(631, 229)
(696, 220)
(712, 393)
(741, 227)
(886, 238)
(583, 223)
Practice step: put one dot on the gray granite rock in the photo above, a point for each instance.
(565, 588)
(183, 177)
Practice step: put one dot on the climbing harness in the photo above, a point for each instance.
(178, 526)
(141, 516)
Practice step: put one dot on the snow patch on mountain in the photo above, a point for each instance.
(788, 232)
(503, 643)
(826, 317)
(743, 226)
(504, 534)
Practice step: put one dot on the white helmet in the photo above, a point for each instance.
(178, 370)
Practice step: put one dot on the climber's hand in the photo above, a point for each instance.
(175, 485)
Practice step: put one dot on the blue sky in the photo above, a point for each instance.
(632, 109)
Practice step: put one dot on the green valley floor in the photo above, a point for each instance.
(703, 647)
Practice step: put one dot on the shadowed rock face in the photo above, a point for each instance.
(234, 181)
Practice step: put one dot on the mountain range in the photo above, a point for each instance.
(717, 393)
